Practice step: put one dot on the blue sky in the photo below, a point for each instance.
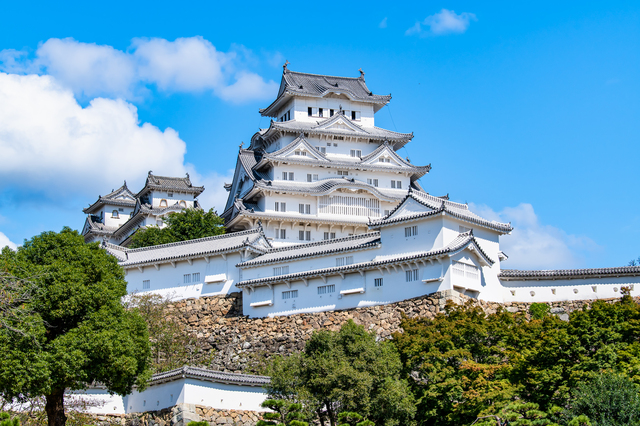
(527, 112)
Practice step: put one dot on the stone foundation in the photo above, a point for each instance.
(240, 344)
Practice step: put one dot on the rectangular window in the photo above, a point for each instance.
(281, 234)
(320, 112)
(343, 173)
(396, 184)
(291, 177)
(187, 278)
(464, 270)
(386, 212)
(291, 294)
(309, 111)
(329, 235)
(195, 277)
(280, 270)
(377, 282)
(146, 284)
(304, 208)
(380, 160)
(411, 231)
(322, 149)
(355, 115)
(324, 289)
(373, 182)
(301, 235)
(342, 261)
(280, 207)
(411, 275)
(285, 175)
(356, 153)
(393, 183)
(315, 177)
(304, 235)
(302, 153)
(330, 113)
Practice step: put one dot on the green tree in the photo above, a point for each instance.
(353, 419)
(459, 363)
(6, 420)
(189, 224)
(608, 399)
(81, 331)
(171, 346)
(287, 413)
(343, 371)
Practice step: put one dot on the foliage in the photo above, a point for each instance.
(343, 371)
(188, 224)
(525, 414)
(202, 423)
(6, 420)
(539, 310)
(635, 262)
(287, 413)
(81, 331)
(608, 400)
(465, 364)
(353, 419)
(171, 346)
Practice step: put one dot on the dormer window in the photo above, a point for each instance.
(114, 214)
(163, 203)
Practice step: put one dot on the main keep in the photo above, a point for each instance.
(324, 214)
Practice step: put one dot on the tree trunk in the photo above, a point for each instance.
(55, 408)
(320, 417)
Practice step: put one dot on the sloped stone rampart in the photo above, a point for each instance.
(237, 343)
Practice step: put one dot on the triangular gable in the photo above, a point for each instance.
(390, 157)
(472, 247)
(339, 122)
(409, 207)
(87, 226)
(300, 144)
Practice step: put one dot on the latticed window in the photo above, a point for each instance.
(377, 282)
(329, 235)
(342, 261)
(411, 231)
(146, 284)
(291, 294)
(324, 289)
(187, 278)
(349, 206)
(195, 277)
(280, 270)
(464, 270)
(412, 275)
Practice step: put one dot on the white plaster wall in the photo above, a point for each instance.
(168, 280)
(299, 111)
(565, 289)
(96, 401)
(224, 396)
(157, 196)
(123, 216)
(156, 397)
(395, 288)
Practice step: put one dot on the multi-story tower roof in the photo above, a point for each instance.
(322, 169)
(117, 215)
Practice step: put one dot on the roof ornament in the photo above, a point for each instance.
(408, 161)
(361, 73)
(241, 143)
(340, 111)
(125, 184)
(284, 67)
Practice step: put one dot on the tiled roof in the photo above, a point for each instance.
(558, 274)
(246, 211)
(164, 183)
(248, 160)
(94, 227)
(114, 198)
(327, 186)
(208, 375)
(439, 205)
(315, 85)
(321, 248)
(327, 161)
(461, 242)
(318, 128)
(189, 249)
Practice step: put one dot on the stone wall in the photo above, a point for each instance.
(237, 343)
(181, 415)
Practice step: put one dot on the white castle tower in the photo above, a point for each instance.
(322, 169)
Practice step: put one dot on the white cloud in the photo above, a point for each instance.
(5, 241)
(443, 22)
(533, 245)
(383, 23)
(51, 144)
(185, 65)
(214, 195)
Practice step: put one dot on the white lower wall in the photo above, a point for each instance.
(165, 395)
(563, 290)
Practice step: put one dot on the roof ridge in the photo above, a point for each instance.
(317, 243)
(178, 243)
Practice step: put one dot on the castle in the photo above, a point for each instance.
(323, 214)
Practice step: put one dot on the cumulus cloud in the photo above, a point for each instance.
(51, 144)
(5, 241)
(533, 245)
(214, 196)
(185, 65)
(443, 22)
